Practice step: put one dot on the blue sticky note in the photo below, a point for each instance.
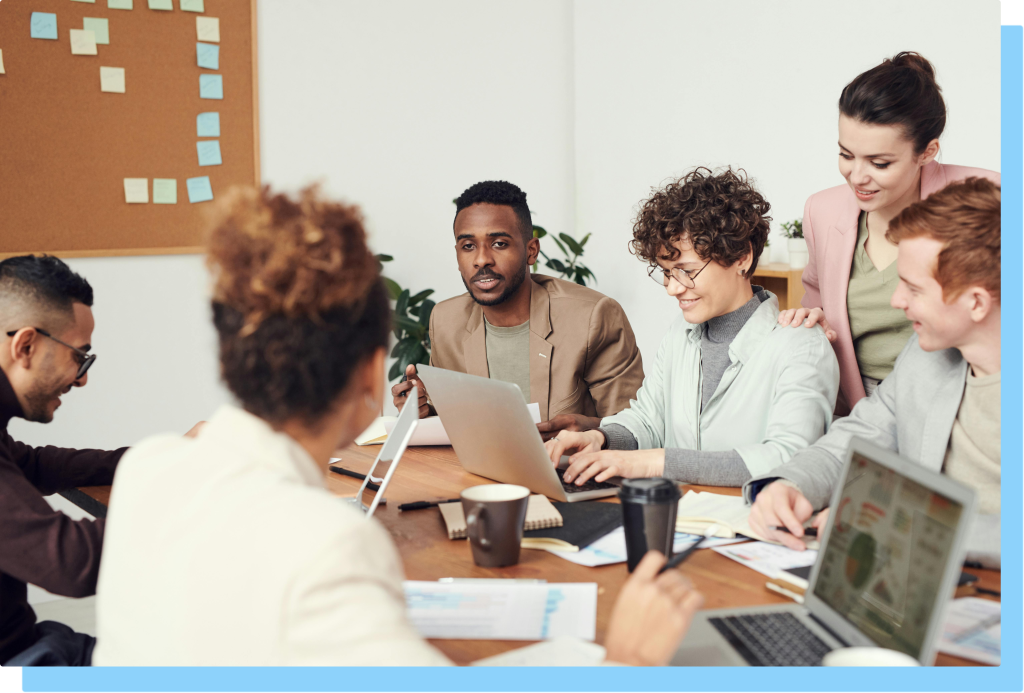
(199, 189)
(44, 25)
(211, 87)
(208, 125)
(208, 55)
(209, 153)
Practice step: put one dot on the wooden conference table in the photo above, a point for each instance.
(434, 473)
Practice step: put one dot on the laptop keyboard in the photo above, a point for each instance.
(772, 640)
(588, 485)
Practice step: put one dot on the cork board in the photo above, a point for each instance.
(66, 146)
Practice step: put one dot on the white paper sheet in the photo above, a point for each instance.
(768, 559)
(430, 430)
(611, 548)
(967, 614)
(502, 610)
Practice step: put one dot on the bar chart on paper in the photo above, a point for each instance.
(502, 610)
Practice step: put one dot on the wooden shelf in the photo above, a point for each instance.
(783, 281)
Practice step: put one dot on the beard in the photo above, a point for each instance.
(39, 396)
(510, 288)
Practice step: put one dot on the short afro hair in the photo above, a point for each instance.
(721, 214)
(498, 192)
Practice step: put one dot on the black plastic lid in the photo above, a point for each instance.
(655, 490)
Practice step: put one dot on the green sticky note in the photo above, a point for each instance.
(192, 6)
(100, 27)
(161, 5)
(120, 4)
(89, 1)
(165, 191)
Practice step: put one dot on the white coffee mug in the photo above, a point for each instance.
(868, 657)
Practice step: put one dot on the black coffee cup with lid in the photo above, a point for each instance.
(648, 517)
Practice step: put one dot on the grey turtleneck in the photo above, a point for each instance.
(713, 468)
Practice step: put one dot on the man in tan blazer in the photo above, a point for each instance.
(569, 348)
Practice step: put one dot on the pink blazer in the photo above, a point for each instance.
(830, 229)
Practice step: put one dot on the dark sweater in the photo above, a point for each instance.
(37, 543)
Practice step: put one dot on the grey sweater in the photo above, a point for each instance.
(713, 468)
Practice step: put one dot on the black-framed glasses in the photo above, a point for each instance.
(85, 359)
(687, 278)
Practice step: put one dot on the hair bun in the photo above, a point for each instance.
(272, 255)
(914, 61)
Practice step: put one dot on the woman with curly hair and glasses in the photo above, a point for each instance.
(731, 392)
(228, 550)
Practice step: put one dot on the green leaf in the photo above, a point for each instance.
(409, 325)
(395, 372)
(402, 303)
(584, 241)
(403, 345)
(416, 354)
(420, 296)
(394, 290)
(425, 310)
(381, 257)
(571, 242)
(560, 246)
(539, 232)
(557, 266)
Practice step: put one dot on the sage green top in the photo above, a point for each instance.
(879, 331)
(508, 354)
(974, 444)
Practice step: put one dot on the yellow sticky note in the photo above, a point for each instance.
(112, 79)
(83, 42)
(136, 190)
(208, 29)
(2, 70)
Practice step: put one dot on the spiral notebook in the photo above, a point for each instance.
(540, 514)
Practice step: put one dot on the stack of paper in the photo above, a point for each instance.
(502, 609)
(972, 630)
(768, 559)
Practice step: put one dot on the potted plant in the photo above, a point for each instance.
(410, 323)
(798, 255)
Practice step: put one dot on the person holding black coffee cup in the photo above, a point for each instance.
(731, 394)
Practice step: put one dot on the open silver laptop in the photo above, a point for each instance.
(391, 451)
(886, 571)
(494, 436)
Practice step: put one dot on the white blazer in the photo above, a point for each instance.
(227, 550)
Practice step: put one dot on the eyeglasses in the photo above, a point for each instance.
(85, 359)
(687, 278)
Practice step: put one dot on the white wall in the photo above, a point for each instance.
(399, 105)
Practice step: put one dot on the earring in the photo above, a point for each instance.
(370, 402)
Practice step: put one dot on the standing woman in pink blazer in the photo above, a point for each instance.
(890, 120)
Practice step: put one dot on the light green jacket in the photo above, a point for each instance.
(775, 398)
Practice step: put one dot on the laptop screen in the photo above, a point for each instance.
(885, 558)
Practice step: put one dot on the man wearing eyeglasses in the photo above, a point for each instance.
(46, 327)
(729, 395)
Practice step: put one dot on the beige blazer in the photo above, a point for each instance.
(583, 355)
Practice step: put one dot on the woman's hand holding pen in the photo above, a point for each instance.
(400, 391)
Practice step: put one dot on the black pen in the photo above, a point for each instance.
(676, 560)
(355, 475)
(808, 531)
(420, 505)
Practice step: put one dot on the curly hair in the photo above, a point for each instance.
(297, 300)
(498, 192)
(965, 216)
(722, 215)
